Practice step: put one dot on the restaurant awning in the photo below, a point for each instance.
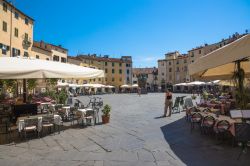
(20, 68)
(220, 64)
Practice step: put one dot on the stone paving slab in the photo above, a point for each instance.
(136, 136)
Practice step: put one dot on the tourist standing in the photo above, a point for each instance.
(168, 103)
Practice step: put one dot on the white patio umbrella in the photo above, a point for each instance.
(181, 84)
(19, 68)
(135, 86)
(195, 83)
(125, 86)
(109, 86)
(62, 84)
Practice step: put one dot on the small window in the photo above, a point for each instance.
(56, 58)
(113, 64)
(177, 69)
(170, 70)
(64, 60)
(162, 74)
(37, 57)
(106, 70)
(127, 71)
(106, 63)
(192, 54)
(127, 78)
(26, 36)
(162, 63)
(16, 32)
(113, 79)
(47, 59)
(113, 71)
(185, 61)
(120, 71)
(199, 51)
(169, 63)
(177, 62)
(120, 79)
(26, 20)
(5, 7)
(16, 15)
(99, 79)
(4, 26)
(26, 54)
(120, 64)
(106, 79)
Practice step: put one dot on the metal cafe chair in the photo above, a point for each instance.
(176, 107)
(221, 129)
(48, 123)
(207, 124)
(196, 118)
(30, 125)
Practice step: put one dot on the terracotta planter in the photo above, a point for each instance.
(105, 119)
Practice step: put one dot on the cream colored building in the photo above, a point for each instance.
(16, 31)
(118, 71)
(151, 75)
(172, 70)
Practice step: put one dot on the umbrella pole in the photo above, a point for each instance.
(24, 90)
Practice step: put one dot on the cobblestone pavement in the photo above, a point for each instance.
(136, 136)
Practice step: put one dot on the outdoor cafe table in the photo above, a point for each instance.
(222, 117)
(20, 121)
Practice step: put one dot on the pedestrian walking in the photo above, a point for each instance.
(139, 91)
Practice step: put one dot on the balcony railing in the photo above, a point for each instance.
(27, 42)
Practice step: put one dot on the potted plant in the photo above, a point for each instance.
(193, 97)
(106, 114)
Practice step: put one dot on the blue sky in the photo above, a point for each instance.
(144, 29)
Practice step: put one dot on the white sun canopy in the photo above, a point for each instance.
(20, 68)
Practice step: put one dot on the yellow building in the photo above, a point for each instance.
(46, 51)
(118, 71)
(16, 33)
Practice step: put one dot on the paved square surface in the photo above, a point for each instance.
(135, 137)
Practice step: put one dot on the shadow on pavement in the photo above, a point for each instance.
(195, 149)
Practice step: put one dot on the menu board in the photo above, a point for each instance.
(245, 114)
